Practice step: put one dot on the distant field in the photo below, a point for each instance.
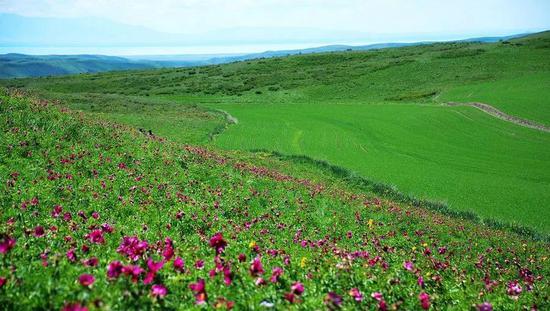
(453, 154)
(380, 113)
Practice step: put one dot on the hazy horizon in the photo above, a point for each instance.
(167, 27)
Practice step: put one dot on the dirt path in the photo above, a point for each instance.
(503, 116)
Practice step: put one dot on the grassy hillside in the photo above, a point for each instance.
(379, 113)
(99, 215)
(19, 65)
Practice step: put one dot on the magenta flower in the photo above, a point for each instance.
(39, 231)
(96, 236)
(71, 255)
(132, 247)
(424, 300)
(408, 265)
(256, 267)
(158, 290)
(218, 243)
(297, 288)
(199, 264)
(74, 307)
(57, 211)
(107, 228)
(3, 281)
(132, 270)
(199, 290)
(114, 269)
(179, 264)
(377, 296)
(485, 307)
(356, 294)
(86, 279)
(168, 251)
(242, 257)
(333, 300)
(95, 215)
(91, 262)
(514, 289)
(277, 272)
(420, 281)
(290, 297)
(7, 244)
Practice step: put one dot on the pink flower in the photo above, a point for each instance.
(199, 290)
(39, 231)
(86, 279)
(297, 288)
(218, 243)
(95, 215)
(57, 211)
(74, 307)
(114, 269)
(256, 267)
(421, 281)
(377, 296)
(277, 272)
(132, 247)
(199, 264)
(179, 264)
(96, 236)
(71, 255)
(91, 262)
(3, 281)
(158, 290)
(485, 307)
(242, 257)
(132, 270)
(514, 289)
(107, 228)
(7, 244)
(408, 265)
(356, 294)
(168, 251)
(424, 300)
(333, 300)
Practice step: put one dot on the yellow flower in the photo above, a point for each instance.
(424, 244)
(370, 223)
(252, 244)
(303, 262)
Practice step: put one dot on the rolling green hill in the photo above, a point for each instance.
(100, 216)
(381, 114)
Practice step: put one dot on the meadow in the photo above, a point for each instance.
(100, 216)
(424, 149)
(380, 113)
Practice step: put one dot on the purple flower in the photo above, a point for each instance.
(158, 290)
(333, 300)
(114, 269)
(218, 243)
(424, 300)
(86, 279)
(7, 244)
(356, 294)
(256, 267)
(179, 264)
(485, 307)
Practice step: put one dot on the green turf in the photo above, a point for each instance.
(453, 154)
(380, 113)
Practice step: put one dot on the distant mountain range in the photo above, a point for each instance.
(20, 65)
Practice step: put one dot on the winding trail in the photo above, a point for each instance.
(503, 116)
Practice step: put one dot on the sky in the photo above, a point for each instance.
(238, 20)
(377, 16)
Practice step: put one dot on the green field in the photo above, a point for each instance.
(457, 155)
(379, 113)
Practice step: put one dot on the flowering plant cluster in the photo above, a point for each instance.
(95, 216)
